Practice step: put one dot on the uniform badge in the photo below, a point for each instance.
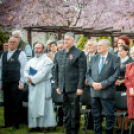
(106, 62)
(71, 56)
(12, 60)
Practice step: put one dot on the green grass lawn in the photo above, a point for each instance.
(23, 127)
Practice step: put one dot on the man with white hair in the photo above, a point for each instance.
(23, 46)
(92, 50)
(92, 47)
(37, 74)
(60, 45)
(12, 82)
(103, 71)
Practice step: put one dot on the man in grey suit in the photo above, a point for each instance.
(103, 70)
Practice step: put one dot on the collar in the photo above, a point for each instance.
(11, 51)
(125, 59)
(70, 49)
(92, 54)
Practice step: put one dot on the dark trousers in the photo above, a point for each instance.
(12, 103)
(108, 106)
(60, 115)
(90, 120)
(71, 112)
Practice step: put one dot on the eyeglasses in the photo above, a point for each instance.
(12, 42)
(100, 45)
(37, 48)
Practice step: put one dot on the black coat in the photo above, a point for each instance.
(69, 69)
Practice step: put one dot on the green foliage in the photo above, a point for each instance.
(105, 37)
(3, 38)
(82, 42)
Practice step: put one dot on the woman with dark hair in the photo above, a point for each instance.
(122, 40)
(120, 86)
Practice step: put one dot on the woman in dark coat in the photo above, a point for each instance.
(120, 86)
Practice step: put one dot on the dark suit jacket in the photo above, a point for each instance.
(107, 76)
(69, 69)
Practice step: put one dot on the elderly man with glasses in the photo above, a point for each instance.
(12, 83)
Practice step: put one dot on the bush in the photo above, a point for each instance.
(82, 42)
(3, 38)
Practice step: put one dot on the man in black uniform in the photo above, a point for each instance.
(12, 83)
(69, 73)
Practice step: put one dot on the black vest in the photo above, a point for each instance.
(11, 68)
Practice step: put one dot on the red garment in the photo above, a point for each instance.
(129, 82)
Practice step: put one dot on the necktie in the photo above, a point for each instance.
(101, 64)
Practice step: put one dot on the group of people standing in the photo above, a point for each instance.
(97, 68)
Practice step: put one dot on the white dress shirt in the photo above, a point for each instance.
(91, 56)
(124, 60)
(22, 59)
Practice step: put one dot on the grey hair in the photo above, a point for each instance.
(132, 49)
(106, 41)
(18, 32)
(60, 42)
(95, 42)
(14, 38)
(71, 34)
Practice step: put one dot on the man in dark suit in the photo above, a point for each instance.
(103, 71)
(69, 69)
(92, 50)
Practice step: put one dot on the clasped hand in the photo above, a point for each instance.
(131, 91)
(97, 86)
(29, 80)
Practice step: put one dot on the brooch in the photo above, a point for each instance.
(71, 56)
(12, 60)
(106, 62)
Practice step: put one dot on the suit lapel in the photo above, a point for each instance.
(105, 65)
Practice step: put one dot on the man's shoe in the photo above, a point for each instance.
(60, 123)
(46, 130)
(89, 127)
(15, 127)
(34, 130)
(5, 126)
(31, 130)
(118, 131)
(126, 132)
